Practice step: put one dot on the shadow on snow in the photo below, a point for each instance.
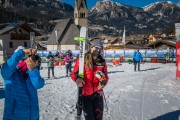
(110, 72)
(169, 116)
(151, 69)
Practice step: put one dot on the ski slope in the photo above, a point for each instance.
(153, 93)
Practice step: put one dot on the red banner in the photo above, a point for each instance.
(177, 59)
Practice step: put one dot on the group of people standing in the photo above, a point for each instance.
(22, 79)
(67, 58)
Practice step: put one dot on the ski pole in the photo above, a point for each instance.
(105, 101)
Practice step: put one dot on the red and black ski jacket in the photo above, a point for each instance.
(91, 81)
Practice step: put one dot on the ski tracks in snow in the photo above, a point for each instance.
(120, 93)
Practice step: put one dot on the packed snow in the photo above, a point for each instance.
(153, 93)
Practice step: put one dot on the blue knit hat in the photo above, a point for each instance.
(96, 42)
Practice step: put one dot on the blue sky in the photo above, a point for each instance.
(137, 3)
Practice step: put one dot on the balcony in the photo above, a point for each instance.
(20, 36)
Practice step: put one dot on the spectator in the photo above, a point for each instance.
(22, 79)
(50, 64)
(137, 57)
(69, 60)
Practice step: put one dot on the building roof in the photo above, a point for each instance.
(72, 32)
(128, 46)
(5, 30)
(78, 3)
(160, 42)
(13, 26)
(136, 37)
(114, 41)
(66, 31)
(157, 36)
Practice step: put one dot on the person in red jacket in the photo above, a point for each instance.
(92, 90)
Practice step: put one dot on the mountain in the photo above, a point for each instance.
(110, 17)
(105, 18)
(34, 11)
(178, 4)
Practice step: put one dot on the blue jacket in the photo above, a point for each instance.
(137, 56)
(21, 98)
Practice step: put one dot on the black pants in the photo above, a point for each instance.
(93, 107)
(135, 64)
(68, 68)
(52, 68)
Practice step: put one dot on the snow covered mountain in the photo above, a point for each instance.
(162, 9)
(36, 6)
(38, 12)
(152, 18)
(106, 17)
(36, 3)
(178, 4)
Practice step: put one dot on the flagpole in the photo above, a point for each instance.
(124, 51)
(123, 40)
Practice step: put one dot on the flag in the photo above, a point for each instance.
(124, 36)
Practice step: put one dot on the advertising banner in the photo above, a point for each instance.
(45, 53)
(161, 53)
(109, 54)
(118, 53)
(75, 53)
(151, 53)
(129, 53)
(143, 53)
(177, 59)
(40, 53)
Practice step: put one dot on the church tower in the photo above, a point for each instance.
(81, 13)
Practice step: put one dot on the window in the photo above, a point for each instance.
(76, 15)
(25, 44)
(82, 5)
(20, 31)
(11, 44)
(82, 15)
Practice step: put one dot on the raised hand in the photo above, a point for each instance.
(100, 87)
(30, 63)
(80, 82)
(30, 51)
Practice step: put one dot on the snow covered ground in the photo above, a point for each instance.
(153, 93)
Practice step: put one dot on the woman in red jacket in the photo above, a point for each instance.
(92, 90)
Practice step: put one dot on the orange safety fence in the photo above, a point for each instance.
(115, 62)
(121, 59)
(154, 60)
(56, 63)
(63, 62)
